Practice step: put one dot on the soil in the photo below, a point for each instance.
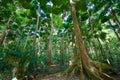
(58, 76)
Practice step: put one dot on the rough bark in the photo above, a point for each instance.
(62, 50)
(35, 53)
(84, 64)
(79, 40)
(96, 51)
(50, 49)
(74, 46)
(101, 49)
(50, 43)
(34, 37)
(67, 49)
(67, 46)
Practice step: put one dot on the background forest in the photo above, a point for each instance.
(79, 38)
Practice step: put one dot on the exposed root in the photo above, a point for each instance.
(93, 71)
(95, 74)
(103, 67)
(70, 69)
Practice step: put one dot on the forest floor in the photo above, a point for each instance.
(57, 75)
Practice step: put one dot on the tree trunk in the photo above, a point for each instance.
(34, 37)
(101, 49)
(35, 46)
(79, 40)
(74, 46)
(86, 65)
(96, 51)
(50, 49)
(62, 50)
(67, 50)
(50, 43)
(67, 46)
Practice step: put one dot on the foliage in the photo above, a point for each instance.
(99, 23)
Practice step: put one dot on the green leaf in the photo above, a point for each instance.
(81, 5)
(103, 35)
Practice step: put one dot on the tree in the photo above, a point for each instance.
(85, 64)
(80, 23)
(50, 45)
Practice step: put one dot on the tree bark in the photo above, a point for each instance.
(74, 46)
(62, 50)
(79, 40)
(34, 37)
(96, 51)
(86, 65)
(50, 42)
(50, 49)
(101, 49)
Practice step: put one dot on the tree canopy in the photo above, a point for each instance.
(78, 37)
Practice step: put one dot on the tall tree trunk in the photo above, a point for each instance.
(50, 49)
(79, 40)
(67, 50)
(74, 46)
(50, 42)
(101, 49)
(35, 46)
(96, 50)
(35, 35)
(91, 50)
(67, 45)
(87, 66)
(62, 50)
